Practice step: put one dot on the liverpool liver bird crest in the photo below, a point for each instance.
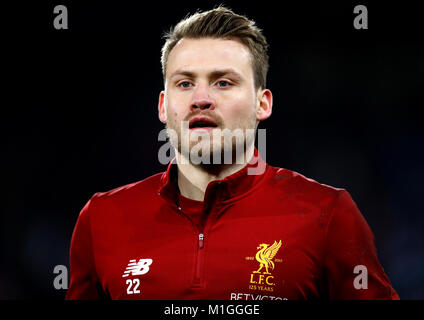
(265, 255)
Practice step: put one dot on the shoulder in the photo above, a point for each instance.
(294, 190)
(143, 189)
(295, 184)
(117, 206)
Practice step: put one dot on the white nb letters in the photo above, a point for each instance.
(137, 268)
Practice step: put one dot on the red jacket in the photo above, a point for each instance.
(277, 235)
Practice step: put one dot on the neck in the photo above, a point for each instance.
(194, 179)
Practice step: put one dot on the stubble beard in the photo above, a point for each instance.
(222, 145)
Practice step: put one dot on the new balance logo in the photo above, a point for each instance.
(137, 268)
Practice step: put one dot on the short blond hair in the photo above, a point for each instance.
(222, 23)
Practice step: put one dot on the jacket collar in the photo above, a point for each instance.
(231, 188)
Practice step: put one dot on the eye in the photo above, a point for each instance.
(184, 84)
(223, 83)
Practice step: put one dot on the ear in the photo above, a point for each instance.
(264, 106)
(161, 107)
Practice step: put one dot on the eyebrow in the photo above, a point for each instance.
(213, 74)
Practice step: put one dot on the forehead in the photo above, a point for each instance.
(203, 55)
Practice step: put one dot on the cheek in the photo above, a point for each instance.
(173, 117)
(173, 111)
(240, 110)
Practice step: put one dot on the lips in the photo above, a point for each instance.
(201, 122)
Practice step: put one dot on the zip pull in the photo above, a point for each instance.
(201, 237)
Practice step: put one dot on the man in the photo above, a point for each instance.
(220, 223)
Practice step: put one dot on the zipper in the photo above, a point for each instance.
(199, 261)
(197, 281)
(201, 237)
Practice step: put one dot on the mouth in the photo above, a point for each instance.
(202, 123)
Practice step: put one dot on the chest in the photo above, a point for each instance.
(242, 254)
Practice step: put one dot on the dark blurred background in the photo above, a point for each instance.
(79, 115)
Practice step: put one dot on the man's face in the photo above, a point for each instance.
(210, 84)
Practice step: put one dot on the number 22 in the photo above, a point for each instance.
(130, 283)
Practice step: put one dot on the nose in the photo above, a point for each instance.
(201, 99)
(202, 105)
